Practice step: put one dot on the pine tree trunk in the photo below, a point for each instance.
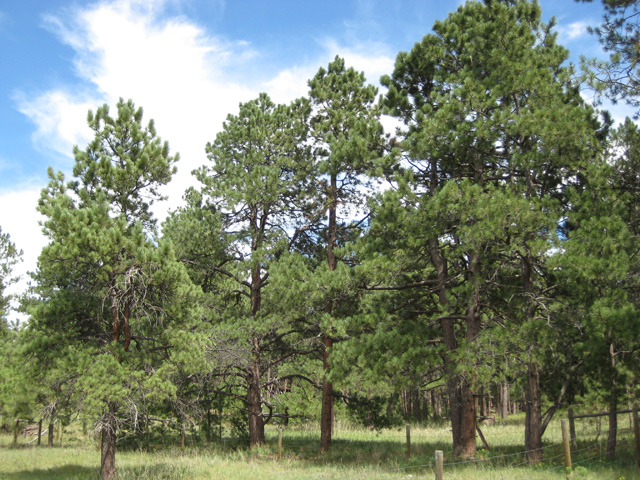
(533, 415)
(254, 405)
(50, 436)
(108, 447)
(326, 418)
(505, 402)
(613, 407)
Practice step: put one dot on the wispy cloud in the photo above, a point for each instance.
(60, 119)
(573, 30)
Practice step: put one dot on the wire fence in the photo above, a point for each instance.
(413, 449)
(589, 447)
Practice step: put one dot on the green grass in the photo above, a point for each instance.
(356, 454)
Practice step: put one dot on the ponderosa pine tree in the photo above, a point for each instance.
(111, 300)
(494, 131)
(259, 183)
(600, 269)
(347, 136)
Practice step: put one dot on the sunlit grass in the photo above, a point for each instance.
(356, 453)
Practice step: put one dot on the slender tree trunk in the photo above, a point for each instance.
(505, 402)
(326, 416)
(108, 447)
(533, 403)
(51, 426)
(533, 415)
(254, 374)
(457, 387)
(613, 407)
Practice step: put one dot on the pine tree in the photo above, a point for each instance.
(347, 136)
(110, 299)
(488, 108)
(259, 182)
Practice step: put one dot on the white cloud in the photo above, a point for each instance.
(171, 68)
(573, 30)
(371, 58)
(60, 119)
(179, 73)
(291, 83)
(19, 219)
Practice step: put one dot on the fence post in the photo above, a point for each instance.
(636, 431)
(567, 448)
(439, 465)
(279, 443)
(408, 441)
(572, 429)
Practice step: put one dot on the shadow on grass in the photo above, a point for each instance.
(66, 472)
(159, 471)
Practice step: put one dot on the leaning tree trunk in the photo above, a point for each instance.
(108, 447)
(533, 415)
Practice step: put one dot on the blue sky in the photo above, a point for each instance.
(188, 63)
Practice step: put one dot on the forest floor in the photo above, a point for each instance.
(356, 454)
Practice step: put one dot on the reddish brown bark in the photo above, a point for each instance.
(127, 331)
(108, 447)
(533, 415)
(327, 413)
(254, 405)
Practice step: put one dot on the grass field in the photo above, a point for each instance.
(356, 454)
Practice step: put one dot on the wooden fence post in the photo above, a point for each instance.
(636, 431)
(567, 448)
(408, 441)
(439, 465)
(279, 443)
(572, 429)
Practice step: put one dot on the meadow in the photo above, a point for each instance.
(357, 453)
